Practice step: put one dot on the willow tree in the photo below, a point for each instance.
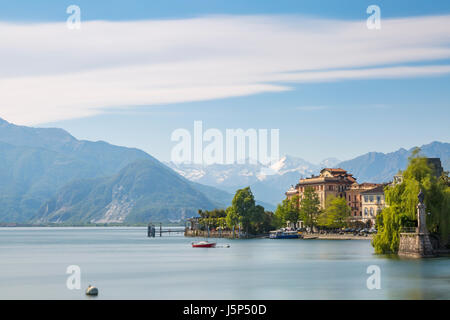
(402, 201)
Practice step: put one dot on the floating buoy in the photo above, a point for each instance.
(91, 291)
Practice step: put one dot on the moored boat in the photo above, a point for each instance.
(281, 234)
(203, 244)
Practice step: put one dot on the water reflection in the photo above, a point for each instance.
(124, 264)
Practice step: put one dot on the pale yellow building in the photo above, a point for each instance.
(354, 198)
(373, 202)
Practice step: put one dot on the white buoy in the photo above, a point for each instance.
(91, 291)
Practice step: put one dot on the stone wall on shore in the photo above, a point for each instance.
(415, 245)
(212, 234)
(336, 236)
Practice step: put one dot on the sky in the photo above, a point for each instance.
(138, 70)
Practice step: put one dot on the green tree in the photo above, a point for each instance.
(232, 218)
(402, 205)
(309, 207)
(244, 205)
(257, 219)
(268, 223)
(336, 213)
(288, 211)
(211, 219)
(244, 211)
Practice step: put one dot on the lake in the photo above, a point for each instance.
(124, 264)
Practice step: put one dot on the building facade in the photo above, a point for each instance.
(354, 198)
(330, 183)
(337, 182)
(373, 202)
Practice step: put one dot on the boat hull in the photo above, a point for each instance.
(203, 245)
(285, 236)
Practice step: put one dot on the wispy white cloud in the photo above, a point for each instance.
(49, 73)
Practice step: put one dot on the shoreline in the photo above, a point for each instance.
(336, 237)
(229, 235)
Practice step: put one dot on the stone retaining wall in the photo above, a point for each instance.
(336, 237)
(212, 234)
(415, 245)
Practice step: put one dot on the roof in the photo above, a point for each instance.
(334, 170)
(365, 186)
(377, 190)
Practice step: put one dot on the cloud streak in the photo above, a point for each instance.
(50, 73)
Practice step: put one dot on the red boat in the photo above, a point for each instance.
(203, 244)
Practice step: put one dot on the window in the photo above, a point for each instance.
(371, 212)
(378, 199)
(366, 199)
(366, 212)
(371, 198)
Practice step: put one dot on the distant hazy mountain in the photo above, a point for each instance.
(380, 167)
(232, 175)
(329, 163)
(140, 192)
(267, 182)
(216, 174)
(48, 175)
(292, 164)
(270, 183)
(37, 162)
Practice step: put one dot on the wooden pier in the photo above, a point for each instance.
(153, 231)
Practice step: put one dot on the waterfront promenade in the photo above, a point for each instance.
(306, 236)
(335, 236)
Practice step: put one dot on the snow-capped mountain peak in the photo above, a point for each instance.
(329, 162)
(293, 164)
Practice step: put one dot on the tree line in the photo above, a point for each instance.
(243, 213)
(251, 218)
(308, 209)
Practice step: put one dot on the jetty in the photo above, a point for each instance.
(153, 231)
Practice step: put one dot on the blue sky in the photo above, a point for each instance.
(339, 116)
(50, 10)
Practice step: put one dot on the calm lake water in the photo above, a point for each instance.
(124, 264)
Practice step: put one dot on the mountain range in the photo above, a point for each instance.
(270, 183)
(47, 175)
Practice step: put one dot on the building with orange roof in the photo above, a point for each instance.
(337, 182)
